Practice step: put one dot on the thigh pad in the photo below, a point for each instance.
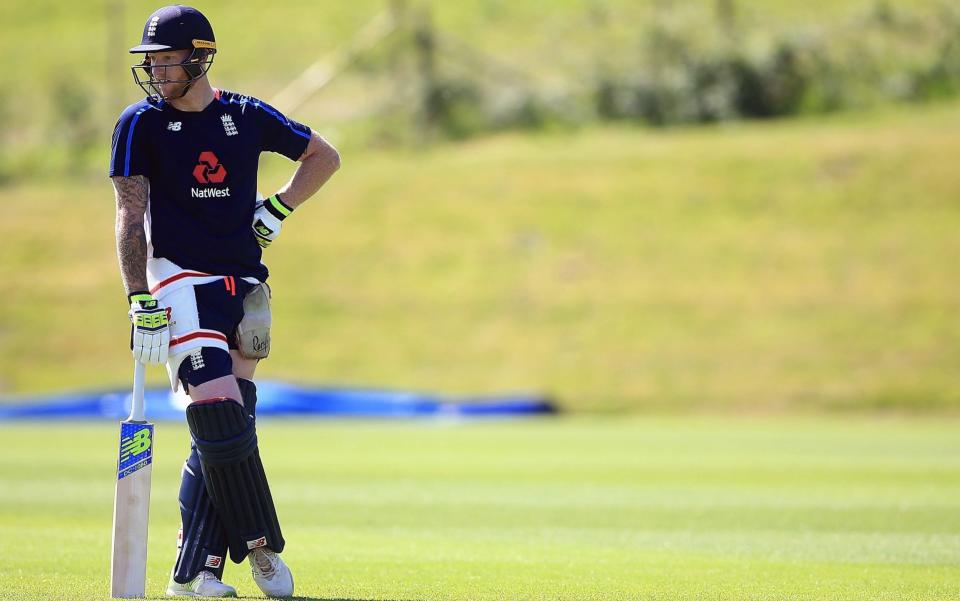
(205, 364)
(253, 331)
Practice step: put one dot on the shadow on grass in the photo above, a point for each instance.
(331, 599)
(337, 599)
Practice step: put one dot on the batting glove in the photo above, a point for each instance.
(267, 219)
(150, 331)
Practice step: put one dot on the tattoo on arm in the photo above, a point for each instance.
(132, 193)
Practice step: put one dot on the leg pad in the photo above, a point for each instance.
(226, 439)
(202, 544)
(248, 391)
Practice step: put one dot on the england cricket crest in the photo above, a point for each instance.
(136, 448)
(229, 127)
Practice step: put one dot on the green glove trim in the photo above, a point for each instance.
(146, 314)
(151, 321)
(276, 207)
(144, 299)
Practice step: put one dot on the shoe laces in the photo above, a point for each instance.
(264, 564)
(201, 578)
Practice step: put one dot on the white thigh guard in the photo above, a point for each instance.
(253, 332)
(186, 335)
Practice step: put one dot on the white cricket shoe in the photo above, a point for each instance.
(204, 585)
(270, 573)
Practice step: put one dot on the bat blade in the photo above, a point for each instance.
(131, 511)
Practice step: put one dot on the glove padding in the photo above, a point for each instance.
(150, 329)
(267, 219)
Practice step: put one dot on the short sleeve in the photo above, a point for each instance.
(280, 134)
(128, 155)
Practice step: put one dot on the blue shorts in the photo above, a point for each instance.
(203, 315)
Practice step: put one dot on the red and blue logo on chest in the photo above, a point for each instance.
(209, 169)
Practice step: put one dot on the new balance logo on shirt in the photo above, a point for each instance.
(202, 168)
(229, 127)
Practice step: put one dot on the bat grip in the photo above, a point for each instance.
(136, 405)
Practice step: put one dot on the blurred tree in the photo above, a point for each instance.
(74, 122)
(726, 11)
(5, 174)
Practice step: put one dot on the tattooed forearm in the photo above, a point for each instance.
(131, 193)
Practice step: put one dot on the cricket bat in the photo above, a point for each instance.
(131, 505)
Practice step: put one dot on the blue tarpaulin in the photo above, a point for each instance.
(277, 398)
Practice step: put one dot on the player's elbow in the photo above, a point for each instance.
(333, 161)
(323, 153)
(329, 155)
(333, 158)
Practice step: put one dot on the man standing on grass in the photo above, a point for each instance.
(190, 232)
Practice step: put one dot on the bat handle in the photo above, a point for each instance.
(136, 406)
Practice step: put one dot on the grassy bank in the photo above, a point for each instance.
(780, 266)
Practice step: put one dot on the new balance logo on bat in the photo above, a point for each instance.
(135, 445)
(136, 448)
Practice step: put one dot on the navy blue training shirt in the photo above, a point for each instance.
(202, 168)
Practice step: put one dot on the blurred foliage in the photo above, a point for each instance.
(75, 129)
(691, 71)
(695, 66)
(457, 71)
(6, 173)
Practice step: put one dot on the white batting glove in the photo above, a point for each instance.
(150, 329)
(267, 219)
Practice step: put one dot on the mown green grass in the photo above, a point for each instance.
(769, 266)
(547, 509)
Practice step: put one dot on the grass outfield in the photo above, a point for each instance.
(567, 508)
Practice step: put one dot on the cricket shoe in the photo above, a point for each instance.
(204, 585)
(270, 573)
